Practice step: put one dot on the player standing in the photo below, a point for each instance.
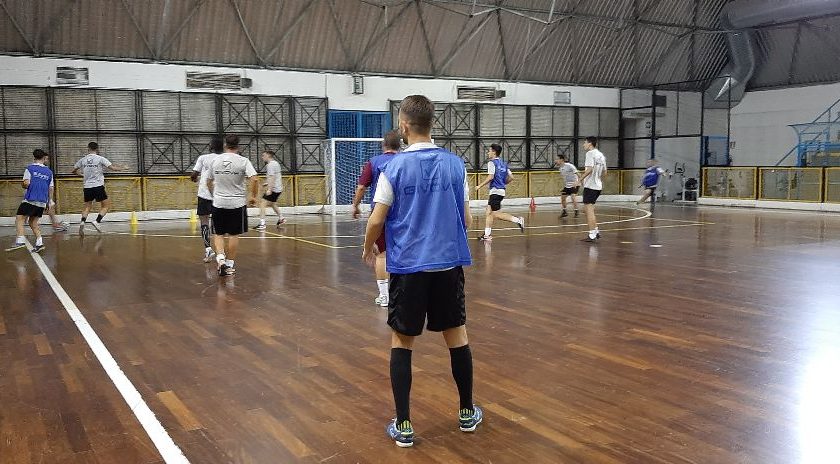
(498, 176)
(594, 169)
(422, 201)
(204, 207)
(39, 184)
(273, 188)
(370, 173)
(92, 168)
(571, 184)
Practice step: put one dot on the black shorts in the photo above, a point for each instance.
(495, 202)
(95, 194)
(652, 189)
(204, 207)
(436, 296)
(230, 221)
(272, 197)
(590, 196)
(29, 210)
(570, 190)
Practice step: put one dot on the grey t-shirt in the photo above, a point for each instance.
(273, 169)
(228, 173)
(569, 173)
(93, 169)
(203, 165)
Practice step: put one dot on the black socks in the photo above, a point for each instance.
(401, 381)
(462, 372)
(99, 217)
(205, 233)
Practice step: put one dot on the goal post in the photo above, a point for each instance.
(344, 159)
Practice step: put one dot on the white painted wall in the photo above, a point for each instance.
(336, 87)
(760, 122)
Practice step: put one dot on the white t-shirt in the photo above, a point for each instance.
(570, 174)
(228, 172)
(273, 169)
(93, 169)
(385, 191)
(491, 171)
(203, 165)
(595, 159)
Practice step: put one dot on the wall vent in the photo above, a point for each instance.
(65, 75)
(479, 93)
(217, 81)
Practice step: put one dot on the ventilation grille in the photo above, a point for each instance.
(217, 81)
(562, 98)
(479, 93)
(65, 75)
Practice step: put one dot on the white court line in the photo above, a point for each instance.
(160, 437)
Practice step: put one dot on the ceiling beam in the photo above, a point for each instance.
(163, 25)
(375, 39)
(171, 40)
(343, 42)
(461, 44)
(18, 28)
(429, 53)
(247, 33)
(824, 38)
(139, 29)
(290, 28)
(502, 45)
(46, 32)
(792, 65)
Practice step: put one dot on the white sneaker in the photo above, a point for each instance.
(281, 221)
(209, 254)
(260, 226)
(382, 300)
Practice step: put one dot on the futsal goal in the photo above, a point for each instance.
(344, 159)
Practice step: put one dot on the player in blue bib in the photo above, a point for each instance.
(39, 184)
(650, 180)
(422, 203)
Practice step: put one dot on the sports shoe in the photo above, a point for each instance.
(577, 213)
(97, 226)
(486, 238)
(60, 227)
(229, 270)
(564, 213)
(589, 239)
(382, 300)
(16, 246)
(223, 269)
(521, 224)
(281, 221)
(403, 436)
(260, 226)
(209, 254)
(469, 420)
(38, 248)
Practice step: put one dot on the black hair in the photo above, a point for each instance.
(593, 140)
(232, 141)
(93, 146)
(392, 140)
(216, 145)
(419, 112)
(562, 157)
(39, 154)
(271, 153)
(497, 148)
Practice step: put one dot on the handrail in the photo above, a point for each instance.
(796, 147)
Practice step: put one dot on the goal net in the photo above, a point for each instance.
(344, 159)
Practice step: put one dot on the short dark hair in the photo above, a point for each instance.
(93, 146)
(39, 154)
(392, 140)
(593, 140)
(216, 145)
(231, 141)
(497, 148)
(419, 112)
(561, 157)
(270, 153)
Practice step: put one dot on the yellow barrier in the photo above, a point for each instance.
(545, 183)
(517, 188)
(126, 194)
(11, 194)
(310, 189)
(171, 192)
(791, 184)
(731, 183)
(832, 185)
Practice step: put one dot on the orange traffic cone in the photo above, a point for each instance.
(533, 205)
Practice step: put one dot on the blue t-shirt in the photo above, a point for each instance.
(425, 227)
(651, 177)
(500, 176)
(40, 179)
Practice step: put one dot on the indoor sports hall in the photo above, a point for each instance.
(234, 231)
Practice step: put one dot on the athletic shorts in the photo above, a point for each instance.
(380, 242)
(652, 189)
(95, 194)
(570, 190)
(230, 221)
(29, 210)
(204, 207)
(495, 202)
(436, 297)
(272, 197)
(590, 196)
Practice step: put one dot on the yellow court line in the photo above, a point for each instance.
(605, 230)
(333, 247)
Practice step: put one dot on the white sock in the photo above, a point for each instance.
(262, 221)
(20, 239)
(208, 249)
(220, 258)
(593, 233)
(229, 263)
(487, 231)
(383, 287)
(39, 241)
(597, 230)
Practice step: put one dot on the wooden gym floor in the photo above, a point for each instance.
(694, 336)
